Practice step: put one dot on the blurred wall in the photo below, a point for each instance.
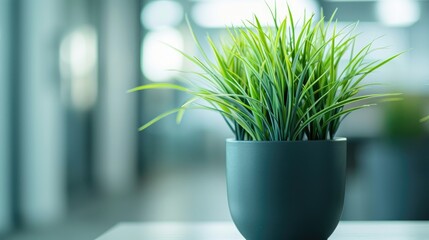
(116, 115)
(5, 164)
(42, 124)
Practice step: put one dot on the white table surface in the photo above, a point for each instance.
(347, 230)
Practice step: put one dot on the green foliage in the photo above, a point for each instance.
(281, 83)
(401, 118)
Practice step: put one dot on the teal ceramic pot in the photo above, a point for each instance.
(286, 190)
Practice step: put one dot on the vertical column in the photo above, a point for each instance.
(5, 183)
(116, 135)
(42, 175)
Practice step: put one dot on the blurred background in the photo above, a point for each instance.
(72, 163)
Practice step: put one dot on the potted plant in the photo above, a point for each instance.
(283, 91)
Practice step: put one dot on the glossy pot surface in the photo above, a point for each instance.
(286, 190)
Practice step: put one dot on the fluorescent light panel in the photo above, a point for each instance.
(162, 13)
(398, 13)
(221, 13)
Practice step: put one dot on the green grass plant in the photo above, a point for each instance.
(296, 80)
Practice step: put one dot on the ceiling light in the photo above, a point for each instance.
(162, 13)
(221, 13)
(398, 13)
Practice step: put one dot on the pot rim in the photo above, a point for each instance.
(336, 139)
